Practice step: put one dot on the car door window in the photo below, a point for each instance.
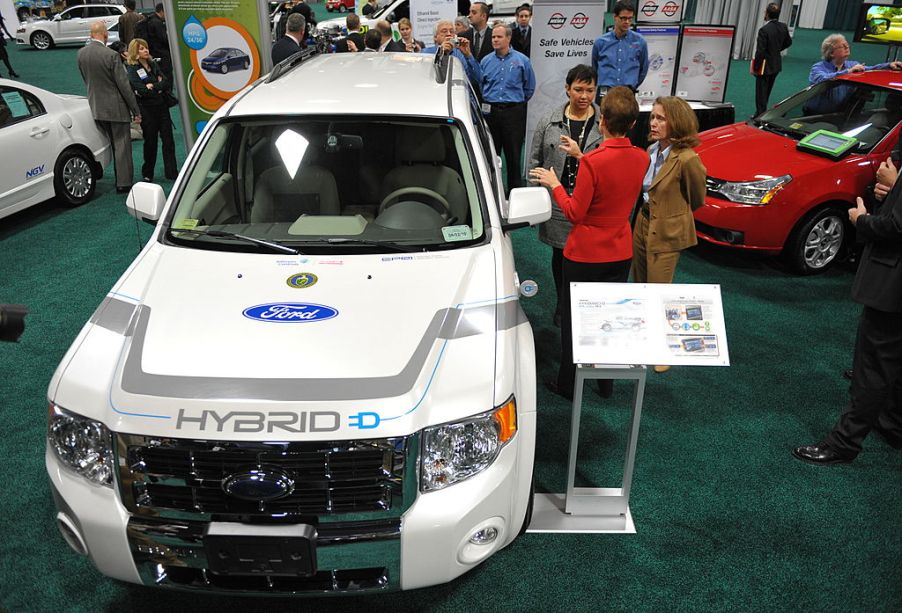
(17, 105)
(98, 11)
(76, 13)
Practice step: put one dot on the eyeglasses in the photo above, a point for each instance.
(841, 46)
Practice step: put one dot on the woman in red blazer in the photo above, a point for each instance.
(600, 245)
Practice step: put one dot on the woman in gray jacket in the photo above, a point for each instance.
(561, 138)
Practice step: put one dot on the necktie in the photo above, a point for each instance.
(523, 32)
(476, 41)
(659, 159)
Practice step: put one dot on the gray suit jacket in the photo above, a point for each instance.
(546, 153)
(109, 93)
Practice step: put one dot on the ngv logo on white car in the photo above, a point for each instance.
(290, 312)
(34, 172)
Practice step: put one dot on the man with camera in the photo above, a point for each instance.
(459, 47)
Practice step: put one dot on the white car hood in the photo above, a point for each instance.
(406, 328)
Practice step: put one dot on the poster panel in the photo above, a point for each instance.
(562, 37)
(425, 13)
(659, 11)
(704, 62)
(219, 48)
(663, 45)
(648, 323)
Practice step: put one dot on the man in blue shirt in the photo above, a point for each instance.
(508, 83)
(443, 35)
(835, 51)
(620, 57)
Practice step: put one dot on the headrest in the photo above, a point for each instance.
(420, 145)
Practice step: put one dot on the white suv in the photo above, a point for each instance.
(70, 26)
(317, 376)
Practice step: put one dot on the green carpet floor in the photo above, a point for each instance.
(726, 519)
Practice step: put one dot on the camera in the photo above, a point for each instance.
(455, 41)
(12, 322)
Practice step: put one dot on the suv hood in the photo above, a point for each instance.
(725, 152)
(380, 332)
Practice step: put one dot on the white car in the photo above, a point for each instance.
(72, 26)
(52, 148)
(317, 376)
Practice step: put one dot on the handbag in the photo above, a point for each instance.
(170, 100)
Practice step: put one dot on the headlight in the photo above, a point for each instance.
(82, 444)
(457, 451)
(754, 192)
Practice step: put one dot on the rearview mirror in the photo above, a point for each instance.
(146, 201)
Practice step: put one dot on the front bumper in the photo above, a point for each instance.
(763, 228)
(423, 541)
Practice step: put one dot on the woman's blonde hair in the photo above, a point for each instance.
(682, 124)
(405, 22)
(132, 56)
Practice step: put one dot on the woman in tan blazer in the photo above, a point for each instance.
(674, 186)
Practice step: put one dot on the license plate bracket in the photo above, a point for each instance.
(261, 550)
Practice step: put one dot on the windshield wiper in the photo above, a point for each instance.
(364, 241)
(273, 245)
(779, 129)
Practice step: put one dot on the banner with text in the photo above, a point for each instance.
(663, 44)
(219, 48)
(425, 13)
(562, 37)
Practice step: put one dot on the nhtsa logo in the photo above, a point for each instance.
(579, 21)
(557, 21)
(649, 9)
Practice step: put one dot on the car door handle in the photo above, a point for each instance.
(38, 131)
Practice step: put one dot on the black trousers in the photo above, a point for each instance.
(876, 391)
(157, 125)
(507, 125)
(5, 58)
(582, 272)
(557, 273)
(763, 86)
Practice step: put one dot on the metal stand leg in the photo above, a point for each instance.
(586, 509)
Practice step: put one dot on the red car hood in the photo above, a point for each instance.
(728, 153)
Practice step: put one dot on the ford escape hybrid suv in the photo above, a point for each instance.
(316, 377)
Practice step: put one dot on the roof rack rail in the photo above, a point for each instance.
(441, 62)
(291, 62)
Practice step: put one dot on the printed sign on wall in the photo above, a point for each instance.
(425, 13)
(663, 44)
(659, 11)
(704, 62)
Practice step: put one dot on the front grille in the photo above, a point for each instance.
(323, 582)
(713, 187)
(158, 474)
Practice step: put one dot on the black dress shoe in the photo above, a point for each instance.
(123, 190)
(605, 388)
(552, 387)
(847, 374)
(821, 454)
(14, 75)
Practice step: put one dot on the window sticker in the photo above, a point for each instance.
(457, 233)
(185, 224)
(16, 104)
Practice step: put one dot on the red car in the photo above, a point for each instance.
(342, 6)
(767, 195)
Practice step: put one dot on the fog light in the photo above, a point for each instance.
(71, 534)
(484, 536)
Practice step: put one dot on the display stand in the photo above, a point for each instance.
(593, 509)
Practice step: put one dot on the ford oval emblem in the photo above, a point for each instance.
(290, 312)
(258, 485)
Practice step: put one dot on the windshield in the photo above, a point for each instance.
(854, 109)
(219, 53)
(399, 12)
(321, 185)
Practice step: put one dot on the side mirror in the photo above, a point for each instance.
(527, 206)
(57, 17)
(146, 201)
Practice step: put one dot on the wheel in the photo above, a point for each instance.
(435, 197)
(342, 8)
(224, 68)
(817, 242)
(73, 177)
(606, 327)
(41, 40)
(247, 64)
(527, 519)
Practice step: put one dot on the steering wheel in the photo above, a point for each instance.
(443, 208)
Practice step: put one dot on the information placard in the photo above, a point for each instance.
(663, 45)
(659, 11)
(648, 323)
(704, 62)
(424, 14)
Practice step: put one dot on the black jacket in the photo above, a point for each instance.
(773, 37)
(145, 96)
(157, 39)
(878, 282)
(342, 45)
(519, 42)
(283, 49)
(485, 46)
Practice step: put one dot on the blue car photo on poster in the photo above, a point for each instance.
(225, 59)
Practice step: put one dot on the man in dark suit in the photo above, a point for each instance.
(522, 32)
(386, 42)
(289, 44)
(875, 401)
(158, 39)
(479, 34)
(111, 99)
(352, 21)
(773, 37)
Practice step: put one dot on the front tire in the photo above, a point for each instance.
(247, 64)
(41, 40)
(342, 8)
(817, 242)
(224, 68)
(73, 177)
